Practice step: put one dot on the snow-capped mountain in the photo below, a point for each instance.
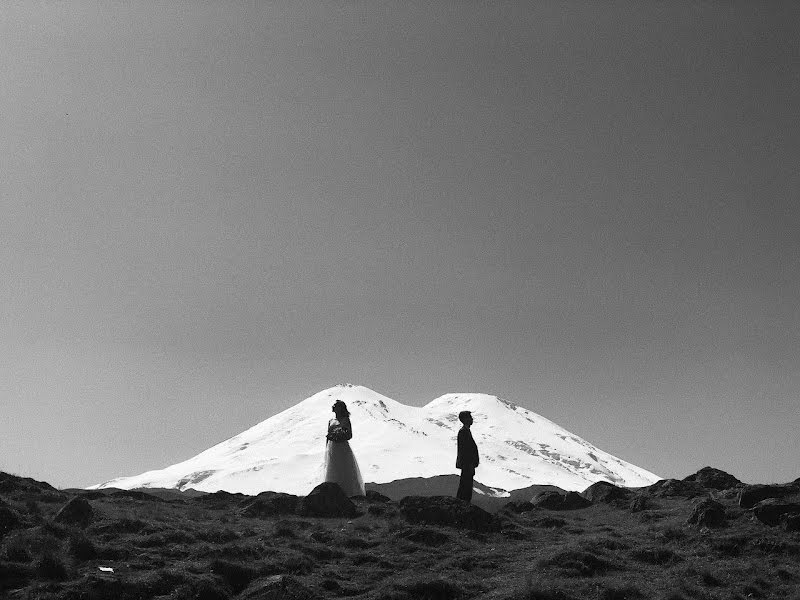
(392, 441)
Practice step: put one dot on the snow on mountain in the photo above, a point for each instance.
(392, 441)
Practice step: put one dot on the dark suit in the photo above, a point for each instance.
(466, 460)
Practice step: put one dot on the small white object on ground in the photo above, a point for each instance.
(106, 569)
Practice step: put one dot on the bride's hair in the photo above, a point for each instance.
(340, 408)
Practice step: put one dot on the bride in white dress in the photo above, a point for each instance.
(341, 466)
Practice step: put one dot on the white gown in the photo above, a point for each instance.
(340, 463)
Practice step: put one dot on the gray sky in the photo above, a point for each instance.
(211, 211)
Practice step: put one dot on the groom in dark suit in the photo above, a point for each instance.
(467, 458)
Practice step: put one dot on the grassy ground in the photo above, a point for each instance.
(193, 548)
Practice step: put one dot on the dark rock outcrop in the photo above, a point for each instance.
(607, 493)
(268, 504)
(714, 479)
(751, 495)
(557, 501)
(771, 510)
(277, 587)
(374, 497)
(449, 511)
(708, 513)
(574, 501)
(77, 511)
(326, 500)
(666, 488)
(549, 500)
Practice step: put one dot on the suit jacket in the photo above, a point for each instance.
(467, 450)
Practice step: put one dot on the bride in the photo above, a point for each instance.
(340, 463)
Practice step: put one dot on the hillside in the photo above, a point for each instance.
(124, 545)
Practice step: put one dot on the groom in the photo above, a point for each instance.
(467, 458)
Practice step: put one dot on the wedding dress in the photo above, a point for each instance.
(341, 466)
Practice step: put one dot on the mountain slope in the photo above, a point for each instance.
(393, 441)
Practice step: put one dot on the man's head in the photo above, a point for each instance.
(465, 417)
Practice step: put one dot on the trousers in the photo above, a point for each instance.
(465, 484)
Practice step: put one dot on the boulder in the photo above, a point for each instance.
(714, 479)
(771, 510)
(448, 511)
(666, 488)
(549, 500)
(374, 497)
(557, 501)
(326, 500)
(269, 504)
(77, 511)
(607, 493)
(751, 495)
(277, 587)
(574, 501)
(707, 513)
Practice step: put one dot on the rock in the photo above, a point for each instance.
(449, 511)
(675, 487)
(549, 500)
(714, 479)
(708, 513)
(771, 510)
(790, 522)
(607, 493)
(8, 519)
(557, 501)
(77, 511)
(268, 504)
(374, 497)
(753, 494)
(326, 500)
(277, 587)
(518, 506)
(574, 501)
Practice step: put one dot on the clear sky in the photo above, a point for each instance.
(212, 210)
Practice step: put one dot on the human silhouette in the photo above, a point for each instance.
(341, 466)
(467, 459)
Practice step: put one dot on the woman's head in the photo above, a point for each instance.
(340, 409)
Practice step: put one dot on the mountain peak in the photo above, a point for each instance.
(394, 441)
(470, 401)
